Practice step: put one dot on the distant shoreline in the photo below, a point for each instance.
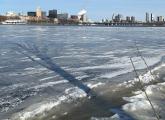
(89, 25)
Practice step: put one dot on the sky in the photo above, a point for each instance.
(97, 9)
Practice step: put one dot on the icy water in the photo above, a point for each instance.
(97, 56)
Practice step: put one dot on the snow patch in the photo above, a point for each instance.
(49, 84)
(47, 78)
(95, 85)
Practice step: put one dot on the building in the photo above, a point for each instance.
(63, 16)
(75, 17)
(52, 14)
(160, 19)
(118, 18)
(82, 15)
(113, 16)
(40, 14)
(147, 17)
(2, 18)
(128, 19)
(83, 18)
(31, 14)
(11, 14)
(152, 17)
(44, 14)
(133, 19)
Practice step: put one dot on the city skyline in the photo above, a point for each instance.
(96, 9)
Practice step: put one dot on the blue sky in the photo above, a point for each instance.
(97, 9)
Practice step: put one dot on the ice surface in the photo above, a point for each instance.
(48, 84)
(47, 78)
(95, 85)
(93, 55)
(41, 108)
(140, 108)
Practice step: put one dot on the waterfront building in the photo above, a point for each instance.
(128, 19)
(56, 21)
(83, 18)
(31, 14)
(40, 14)
(11, 14)
(52, 14)
(2, 18)
(160, 19)
(147, 17)
(63, 16)
(44, 14)
(103, 20)
(75, 17)
(118, 18)
(82, 15)
(152, 17)
(113, 17)
(133, 19)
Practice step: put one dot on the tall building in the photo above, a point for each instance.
(133, 19)
(113, 17)
(147, 17)
(128, 18)
(52, 14)
(152, 17)
(40, 13)
(118, 18)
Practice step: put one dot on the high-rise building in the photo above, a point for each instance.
(40, 13)
(113, 17)
(133, 19)
(147, 17)
(118, 18)
(52, 14)
(152, 17)
(63, 16)
(128, 18)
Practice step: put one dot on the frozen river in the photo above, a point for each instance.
(97, 56)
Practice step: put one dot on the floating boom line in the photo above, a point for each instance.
(143, 89)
